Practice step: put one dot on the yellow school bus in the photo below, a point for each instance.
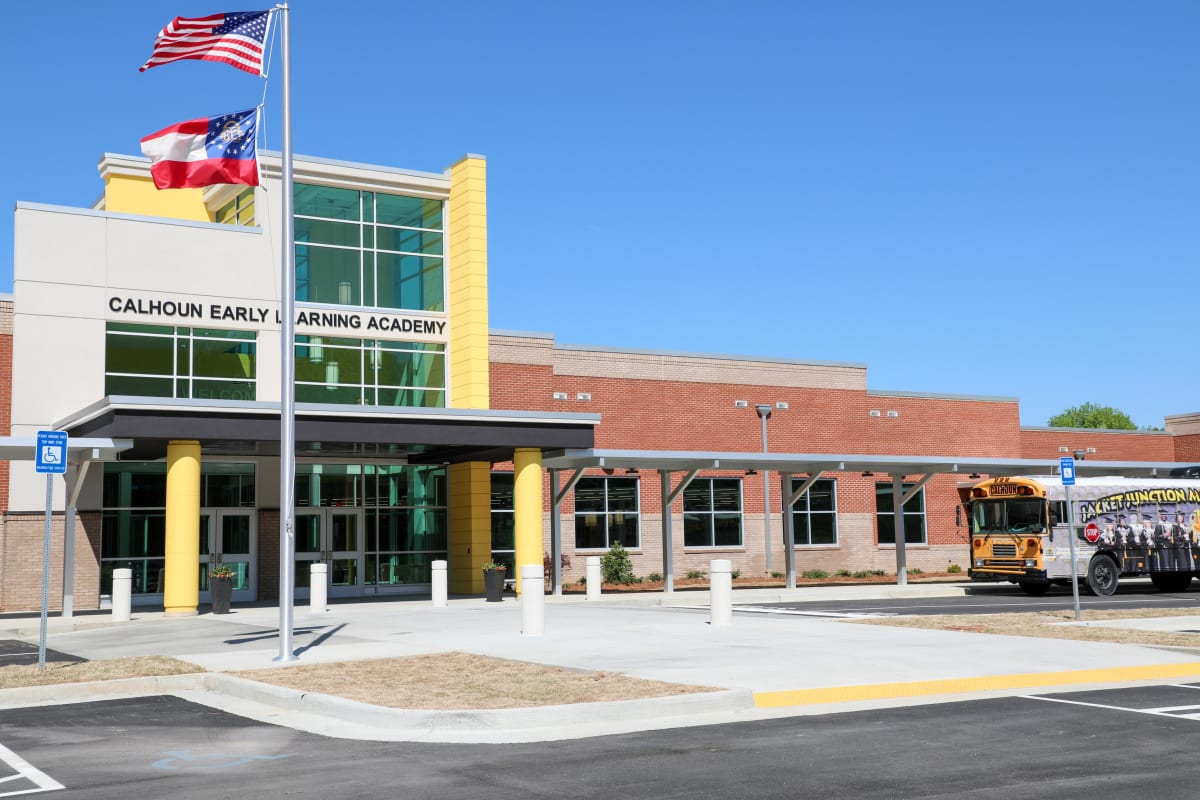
(1019, 531)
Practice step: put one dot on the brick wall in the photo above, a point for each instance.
(1107, 445)
(268, 553)
(21, 562)
(673, 402)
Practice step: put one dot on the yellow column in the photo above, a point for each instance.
(470, 525)
(527, 508)
(181, 596)
(467, 284)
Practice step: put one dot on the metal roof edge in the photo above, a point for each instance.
(942, 396)
(724, 356)
(1057, 428)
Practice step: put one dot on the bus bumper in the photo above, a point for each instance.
(1012, 574)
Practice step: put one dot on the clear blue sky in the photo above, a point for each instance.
(995, 197)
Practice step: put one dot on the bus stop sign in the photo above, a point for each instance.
(51, 457)
(1066, 468)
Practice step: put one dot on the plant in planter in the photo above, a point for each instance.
(493, 581)
(220, 586)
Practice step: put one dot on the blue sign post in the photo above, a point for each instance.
(50, 459)
(1066, 469)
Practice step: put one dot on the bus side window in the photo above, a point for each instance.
(1058, 512)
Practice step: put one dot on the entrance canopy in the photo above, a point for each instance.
(250, 428)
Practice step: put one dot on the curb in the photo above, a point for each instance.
(335, 715)
(505, 725)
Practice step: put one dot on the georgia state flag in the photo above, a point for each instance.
(206, 151)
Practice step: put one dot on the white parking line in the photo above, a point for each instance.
(41, 781)
(1163, 711)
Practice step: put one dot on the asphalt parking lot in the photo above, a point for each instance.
(988, 600)
(1122, 744)
(18, 653)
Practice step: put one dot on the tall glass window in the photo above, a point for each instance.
(712, 513)
(815, 514)
(885, 515)
(133, 516)
(370, 372)
(164, 361)
(504, 541)
(369, 249)
(407, 524)
(606, 511)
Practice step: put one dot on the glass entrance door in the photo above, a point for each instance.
(333, 536)
(229, 537)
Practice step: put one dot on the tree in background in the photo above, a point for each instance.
(1090, 415)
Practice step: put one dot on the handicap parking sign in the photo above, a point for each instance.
(51, 457)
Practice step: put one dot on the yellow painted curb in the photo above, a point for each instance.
(880, 691)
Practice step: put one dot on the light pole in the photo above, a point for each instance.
(764, 413)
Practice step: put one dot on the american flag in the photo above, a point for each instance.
(235, 38)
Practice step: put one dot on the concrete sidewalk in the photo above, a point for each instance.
(767, 665)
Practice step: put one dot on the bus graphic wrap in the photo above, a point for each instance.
(1123, 527)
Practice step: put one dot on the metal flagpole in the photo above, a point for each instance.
(287, 365)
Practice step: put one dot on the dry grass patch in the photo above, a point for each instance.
(1045, 624)
(89, 671)
(463, 681)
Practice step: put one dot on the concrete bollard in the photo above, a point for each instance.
(121, 594)
(533, 600)
(593, 578)
(318, 587)
(440, 593)
(720, 592)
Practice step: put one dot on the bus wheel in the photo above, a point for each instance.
(1102, 576)
(1171, 581)
(1035, 588)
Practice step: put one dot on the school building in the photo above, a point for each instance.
(147, 326)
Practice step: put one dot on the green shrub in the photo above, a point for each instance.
(735, 574)
(695, 574)
(842, 573)
(954, 568)
(777, 575)
(815, 573)
(654, 577)
(863, 573)
(878, 572)
(615, 566)
(914, 570)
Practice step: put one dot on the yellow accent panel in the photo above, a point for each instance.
(126, 194)
(466, 212)
(181, 596)
(470, 525)
(527, 508)
(1029, 680)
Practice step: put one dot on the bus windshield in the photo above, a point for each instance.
(1008, 516)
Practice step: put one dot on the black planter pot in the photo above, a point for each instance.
(221, 591)
(493, 584)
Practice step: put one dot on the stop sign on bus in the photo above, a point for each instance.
(1092, 532)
